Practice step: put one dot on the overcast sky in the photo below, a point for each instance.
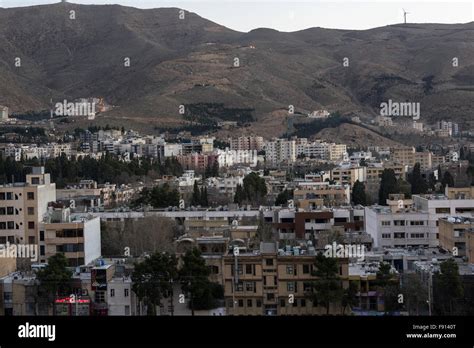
(245, 15)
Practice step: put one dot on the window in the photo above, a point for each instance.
(99, 296)
(250, 286)
(399, 235)
(270, 297)
(30, 196)
(239, 286)
(386, 223)
(31, 211)
(3, 240)
(42, 250)
(10, 225)
(9, 196)
(399, 222)
(386, 235)
(417, 223)
(303, 302)
(41, 236)
(2, 196)
(112, 292)
(3, 225)
(282, 303)
(269, 262)
(289, 269)
(249, 303)
(31, 225)
(3, 211)
(126, 292)
(35, 181)
(306, 269)
(259, 303)
(241, 303)
(290, 286)
(417, 235)
(31, 239)
(10, 211)
(249, 269)
(443, 211)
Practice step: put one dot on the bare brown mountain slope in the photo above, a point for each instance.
(189, 61)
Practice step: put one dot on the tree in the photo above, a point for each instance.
(388, 185)
(255, 188)
(447, 179)
(239, 194)
(283, 197)
(152, 279)
(415, 293)
(194, 279)
(203, 197)
(387, 285)
(55, 278)
(358, 194)
(327, 288)
(418, 184)
(448, 288)
(349, 297)
(196, 198)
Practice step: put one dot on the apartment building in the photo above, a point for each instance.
(348, 175)
(273, 282)
(228, 158)
(77, 236)
(247, 143)
(197, 161)
(401, 229)
(374, 171)
(313, 195)
(280, 150)
(23, 205)
(414, 224)
(408, 156)
(456, 234)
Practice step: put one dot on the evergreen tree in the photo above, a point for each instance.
(194, 278)
(152, 279)
(327, 288)
(418, 184)
(388, 185)
(239, 196)
(55, 278)
(358, 194)
(448, 288)
(196, 198)
(447, 179)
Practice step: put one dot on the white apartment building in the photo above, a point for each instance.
(227, 185)
(3, 113)
(414, 226)
(121, 300)
(172, 150)
(280, 150)
(228, 158)
(23, 205)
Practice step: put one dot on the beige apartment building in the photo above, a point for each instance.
(456, 234)
(348, 175)
(374, 172)
(269, 283)
(23, 205)
(408, 156)
(314, 195)
(77, 236)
